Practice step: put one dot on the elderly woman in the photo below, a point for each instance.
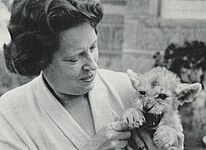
(71, 104)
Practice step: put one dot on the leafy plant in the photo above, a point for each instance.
(189, 56)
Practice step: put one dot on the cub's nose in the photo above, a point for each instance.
(147, 108)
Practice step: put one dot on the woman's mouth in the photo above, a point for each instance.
(88, 78)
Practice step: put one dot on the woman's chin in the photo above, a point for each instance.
(83, 89)
(86, 86)
(87, 89)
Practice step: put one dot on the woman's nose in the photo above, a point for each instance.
(91, 64)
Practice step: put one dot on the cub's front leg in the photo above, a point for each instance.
(134, 119)
(133, 116)
(167, 138)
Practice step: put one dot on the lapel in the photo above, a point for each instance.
(100, 106)
(61, 118)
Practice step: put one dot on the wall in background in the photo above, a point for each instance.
(133, 30)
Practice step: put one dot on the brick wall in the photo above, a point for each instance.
(134, 30)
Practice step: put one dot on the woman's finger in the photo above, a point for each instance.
(119, 126)
(123, 135)
(120, 144)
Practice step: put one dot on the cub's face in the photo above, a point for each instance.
(156, 98)
(161, 91)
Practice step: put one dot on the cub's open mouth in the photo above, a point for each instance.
(152, 120)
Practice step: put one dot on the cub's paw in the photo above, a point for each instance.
(165, 137)
(133, 118)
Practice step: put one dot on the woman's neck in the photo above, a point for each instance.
(63, 98)
(78, 106)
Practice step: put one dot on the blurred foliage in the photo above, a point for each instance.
(191, 55)
(188, 61)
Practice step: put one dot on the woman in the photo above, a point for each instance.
(72, 104)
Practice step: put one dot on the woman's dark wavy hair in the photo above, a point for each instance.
(34, 28)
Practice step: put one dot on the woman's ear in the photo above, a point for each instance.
(134, 78)
(187, 92)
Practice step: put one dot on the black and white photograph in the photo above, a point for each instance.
(102, 74)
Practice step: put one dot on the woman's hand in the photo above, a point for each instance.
(112, 136)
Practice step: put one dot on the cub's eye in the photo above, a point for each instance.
(162, 96)
(143, 93)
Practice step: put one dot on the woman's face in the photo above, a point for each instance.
(74, 65)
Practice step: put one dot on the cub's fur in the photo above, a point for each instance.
(159, 93)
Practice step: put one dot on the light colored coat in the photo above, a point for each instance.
(32, 118)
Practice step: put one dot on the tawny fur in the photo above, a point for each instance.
(159, 92)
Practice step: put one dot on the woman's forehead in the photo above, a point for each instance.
(84, 33)
(77, 38)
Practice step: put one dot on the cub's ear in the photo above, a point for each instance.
(187, 92)
(134, 78)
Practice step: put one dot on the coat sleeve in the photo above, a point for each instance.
(9, 139)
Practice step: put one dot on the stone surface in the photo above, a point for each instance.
(114, 2)
(110, 61)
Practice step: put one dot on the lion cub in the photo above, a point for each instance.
(159, 93)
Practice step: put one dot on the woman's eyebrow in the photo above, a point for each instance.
(78, 51)
(73, 55)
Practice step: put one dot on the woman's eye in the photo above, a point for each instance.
(73, 60)
(162, 96)
(92, 48)
(143, 93)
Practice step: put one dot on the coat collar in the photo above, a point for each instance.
(100, 107)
